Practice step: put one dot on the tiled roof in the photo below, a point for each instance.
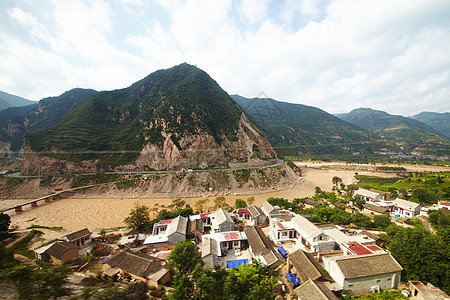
(78, 234)
(312, 290)
(178, 225)
(58, 249)
(355, 266)
(304, 266)
(134, 262)
(222, 216)
(255, 211)
(257, 240)
(305, 227)
(405, 204)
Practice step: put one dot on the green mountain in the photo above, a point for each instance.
(8, 100)
(174, 118)
(438, 121)
(15, 122)
(408, 134)
(296, 129)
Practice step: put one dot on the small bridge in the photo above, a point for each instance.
(34, 203)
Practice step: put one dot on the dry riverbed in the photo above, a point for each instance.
(76, 213)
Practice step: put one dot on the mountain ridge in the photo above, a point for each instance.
(172, 118)
(410, 135)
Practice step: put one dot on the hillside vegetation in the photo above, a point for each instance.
(408, 134)
(438, 121)
(296, 129)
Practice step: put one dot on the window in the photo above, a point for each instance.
(378, 281)
(350, 285)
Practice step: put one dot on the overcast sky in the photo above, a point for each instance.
(339, 55)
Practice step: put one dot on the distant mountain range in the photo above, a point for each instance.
(438, 121)
(15, 122)
(408, 134)
(296, 129)
(180, 117)
(8, 100)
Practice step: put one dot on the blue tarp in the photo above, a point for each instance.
(292, 278)
(105, 259)
(397, 216)
(282, 252)
(236, 263)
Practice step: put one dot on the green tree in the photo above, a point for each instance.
(209, 282)
(252, 281)
(358, 201)
(423, 256)
(351, 188)
(38, 284)
(5, 221)
(184, 257)
(336, 180)
(182, 288)
(250, 200)
(239, 203)
(382, 221)
(423, 196)
(6, 257)
(361, 220)
(139, 218)
(220, 202)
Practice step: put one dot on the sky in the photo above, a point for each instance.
(335, 55)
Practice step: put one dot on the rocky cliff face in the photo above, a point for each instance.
(202, 151)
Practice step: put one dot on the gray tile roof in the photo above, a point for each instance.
(257, 240)
(311, 290)
(304, 267)
(58, 249)
(78, 234)
(254, 210)
(178, 225)
(134, 262)
(222, 216)
(355, 266)
(209, 246)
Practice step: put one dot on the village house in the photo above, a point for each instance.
(368, 195)
(210, 252)
(306, 267)
(420, 291)
(148, 269)
(195, 230)
(375, 209)
(312, 290)
(167, 232)
(405, 208)
(310, 237)
(80, 238)
(364, 273)
(242, 214)
(282, 232)
(257, 217)
(58, 253)
(262, 248)
(232, 241)
(221, 221)
(269, 210)
(353, 244)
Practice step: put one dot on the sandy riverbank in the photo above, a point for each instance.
(76, 213)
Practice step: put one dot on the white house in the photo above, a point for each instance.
(228, 241)
(282, 231)
(368, 195)
(405, 208)
(269, 210)
(364, 273)
(311, 237)
(167, 232)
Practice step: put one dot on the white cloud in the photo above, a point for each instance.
(337, 55)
